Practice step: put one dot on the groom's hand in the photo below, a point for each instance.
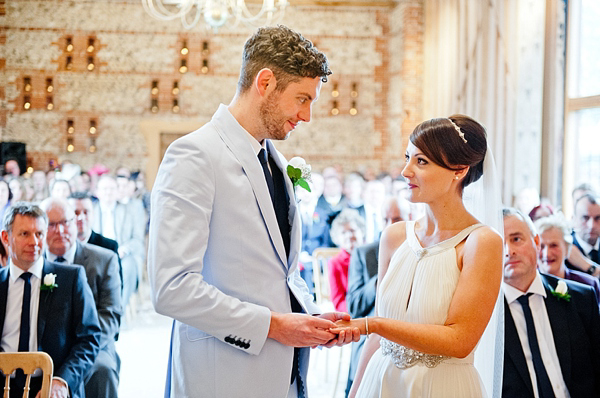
(343, 335)
(300, 330)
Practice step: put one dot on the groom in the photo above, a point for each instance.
(225, 236)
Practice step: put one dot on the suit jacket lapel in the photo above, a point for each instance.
(242, 150)
(513, 348)
(293, 214)
(558, 313)
(3, 297)
(45, 301)
(79, 255)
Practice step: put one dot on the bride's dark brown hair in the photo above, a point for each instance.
(441, 142)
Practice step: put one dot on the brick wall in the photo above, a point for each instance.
(376, 54)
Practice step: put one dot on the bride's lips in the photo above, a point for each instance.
(411, 186)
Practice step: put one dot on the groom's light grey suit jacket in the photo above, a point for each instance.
(217, 265)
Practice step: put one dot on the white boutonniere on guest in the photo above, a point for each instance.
(49, 282)
(561, 291)
(299, 172)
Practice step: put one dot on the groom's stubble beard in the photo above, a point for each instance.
(272, 118)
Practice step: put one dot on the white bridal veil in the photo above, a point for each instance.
(483, 200)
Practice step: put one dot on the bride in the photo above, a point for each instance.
(439, 277)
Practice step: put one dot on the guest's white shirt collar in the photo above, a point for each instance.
(512, 293)
(36, 269)
(69, 256)
(587, 248)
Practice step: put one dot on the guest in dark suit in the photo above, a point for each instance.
(555, 244)
(45, 306)
(362, 277)
(83, 205)
(586, 232)
(552, 325)
(102, 270)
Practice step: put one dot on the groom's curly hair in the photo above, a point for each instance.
(287, 53)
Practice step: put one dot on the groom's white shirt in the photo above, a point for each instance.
(217, 265)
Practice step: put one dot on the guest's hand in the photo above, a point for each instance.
(343, 335)
(301, 330)
(58, 389)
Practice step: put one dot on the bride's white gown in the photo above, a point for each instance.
(418, 287)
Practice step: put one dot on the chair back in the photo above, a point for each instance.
(28, 362)
(321, 257)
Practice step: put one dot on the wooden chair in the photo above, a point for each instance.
(321, 257)
(28, 362)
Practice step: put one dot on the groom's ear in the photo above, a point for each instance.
(265, 82)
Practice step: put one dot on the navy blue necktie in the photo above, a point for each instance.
(543, 381)
(594, 256)
(25, 313)
(60, 259)
(264, 162)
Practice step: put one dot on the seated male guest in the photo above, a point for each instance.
(347, 232)
(102, 269)
(556, 243)
(586, 233)
(45, 306)
(113, 220)
(83, 205)
(552, 334)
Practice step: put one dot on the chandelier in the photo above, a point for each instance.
(217, 12)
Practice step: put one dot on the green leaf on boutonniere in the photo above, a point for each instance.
(302, 182)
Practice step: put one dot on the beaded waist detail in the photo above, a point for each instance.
(404, 357)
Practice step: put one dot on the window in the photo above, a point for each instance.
(582, 99)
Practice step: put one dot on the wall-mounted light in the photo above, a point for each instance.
(204, 66)
(49, 103)
(183, 66)
(335, 93)
(354, 92)
(27, 84)
(69, 63)
(49, 85)
(69, 44)
(175, 90)
(353, 111)
(205, 50)
(70, 145)
(175, 108)
(92, 129)
(184, 48)
(90, 47)
(70, 126)
(154, 105)
(90, 65)
(154, 90)
(335, 110)
(92, 146)
(26, 102)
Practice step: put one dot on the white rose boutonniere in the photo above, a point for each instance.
(299, 172)
(562, 291)
(49, 282)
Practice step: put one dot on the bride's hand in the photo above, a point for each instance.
(353, 323)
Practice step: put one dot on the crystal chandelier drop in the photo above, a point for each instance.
(217, 12)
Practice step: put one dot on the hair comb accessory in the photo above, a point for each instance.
(459, 131)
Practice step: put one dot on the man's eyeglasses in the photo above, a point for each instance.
(64, 223)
